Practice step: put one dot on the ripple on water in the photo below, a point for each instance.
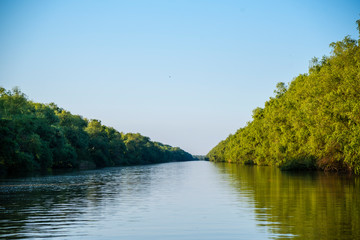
(193, 200)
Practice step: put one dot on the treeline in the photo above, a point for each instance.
(314, 122)
(200, 157)
(41, 137)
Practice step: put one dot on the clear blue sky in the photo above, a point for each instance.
(185, 73)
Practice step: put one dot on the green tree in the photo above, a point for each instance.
(312, 123)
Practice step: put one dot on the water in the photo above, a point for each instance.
(187, 200)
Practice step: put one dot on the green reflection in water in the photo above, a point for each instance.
(292, 205)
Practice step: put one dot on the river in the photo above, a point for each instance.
(185, 200)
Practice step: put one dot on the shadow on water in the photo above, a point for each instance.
(299, 205)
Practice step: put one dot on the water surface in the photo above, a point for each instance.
(187, 200)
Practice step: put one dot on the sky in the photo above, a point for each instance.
(184, 73)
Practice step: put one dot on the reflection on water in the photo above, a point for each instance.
(305, 205)
(189, 200)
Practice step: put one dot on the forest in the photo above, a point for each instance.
(36, 137)
(311, 123)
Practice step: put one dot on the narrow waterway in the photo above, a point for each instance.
(186, 200)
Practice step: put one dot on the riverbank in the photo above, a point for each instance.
(36, 137)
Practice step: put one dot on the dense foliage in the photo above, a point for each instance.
(312, 123)
(38, 137)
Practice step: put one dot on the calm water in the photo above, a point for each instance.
(189, 200)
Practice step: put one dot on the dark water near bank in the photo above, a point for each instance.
(188, 200)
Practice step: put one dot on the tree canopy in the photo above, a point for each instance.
(314, 122)
(41, 137)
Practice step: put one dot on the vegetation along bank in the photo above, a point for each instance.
(42, 137)
(311, 123)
